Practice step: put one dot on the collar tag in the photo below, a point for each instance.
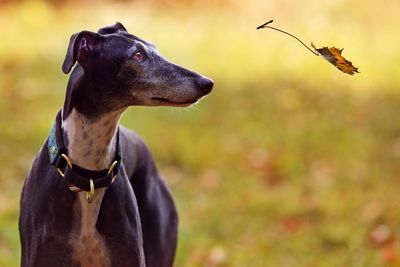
(52, 145)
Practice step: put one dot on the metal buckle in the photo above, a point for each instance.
(90, 194)
(111, 169)
(69, 163)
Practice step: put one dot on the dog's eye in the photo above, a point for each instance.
(139, 56)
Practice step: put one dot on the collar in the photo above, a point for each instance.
(78, 178)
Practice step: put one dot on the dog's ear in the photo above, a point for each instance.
(82, 46)
(117, 27)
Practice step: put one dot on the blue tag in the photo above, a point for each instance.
(52, 144)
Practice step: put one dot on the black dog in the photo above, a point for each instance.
(93, 196)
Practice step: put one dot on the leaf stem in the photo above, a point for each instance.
(276, 29)
(262, 26)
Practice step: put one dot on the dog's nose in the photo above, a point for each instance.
(205, 85)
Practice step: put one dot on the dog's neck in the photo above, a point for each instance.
(91, 143)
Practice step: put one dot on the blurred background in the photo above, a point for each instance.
(288, 162)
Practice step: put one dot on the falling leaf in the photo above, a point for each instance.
(334, 56)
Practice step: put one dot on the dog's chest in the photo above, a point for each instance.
(89, 247)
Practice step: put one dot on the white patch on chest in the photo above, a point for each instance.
(89, 247)
(92, 146)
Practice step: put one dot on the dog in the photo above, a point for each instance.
(93, 196)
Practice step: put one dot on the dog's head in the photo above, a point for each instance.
(117, 69)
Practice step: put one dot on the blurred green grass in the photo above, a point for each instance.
(287, 163)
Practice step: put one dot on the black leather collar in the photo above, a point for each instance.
(79, 178)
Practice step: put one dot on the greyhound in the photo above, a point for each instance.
(93, 196)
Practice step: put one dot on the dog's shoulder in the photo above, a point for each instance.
(134, 150)
(40, 164)
(129, 135)
(130, 142)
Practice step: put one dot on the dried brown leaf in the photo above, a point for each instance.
(334, 56)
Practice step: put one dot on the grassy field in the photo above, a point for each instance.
(287, 163)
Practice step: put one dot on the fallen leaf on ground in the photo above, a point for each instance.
(381, 235)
